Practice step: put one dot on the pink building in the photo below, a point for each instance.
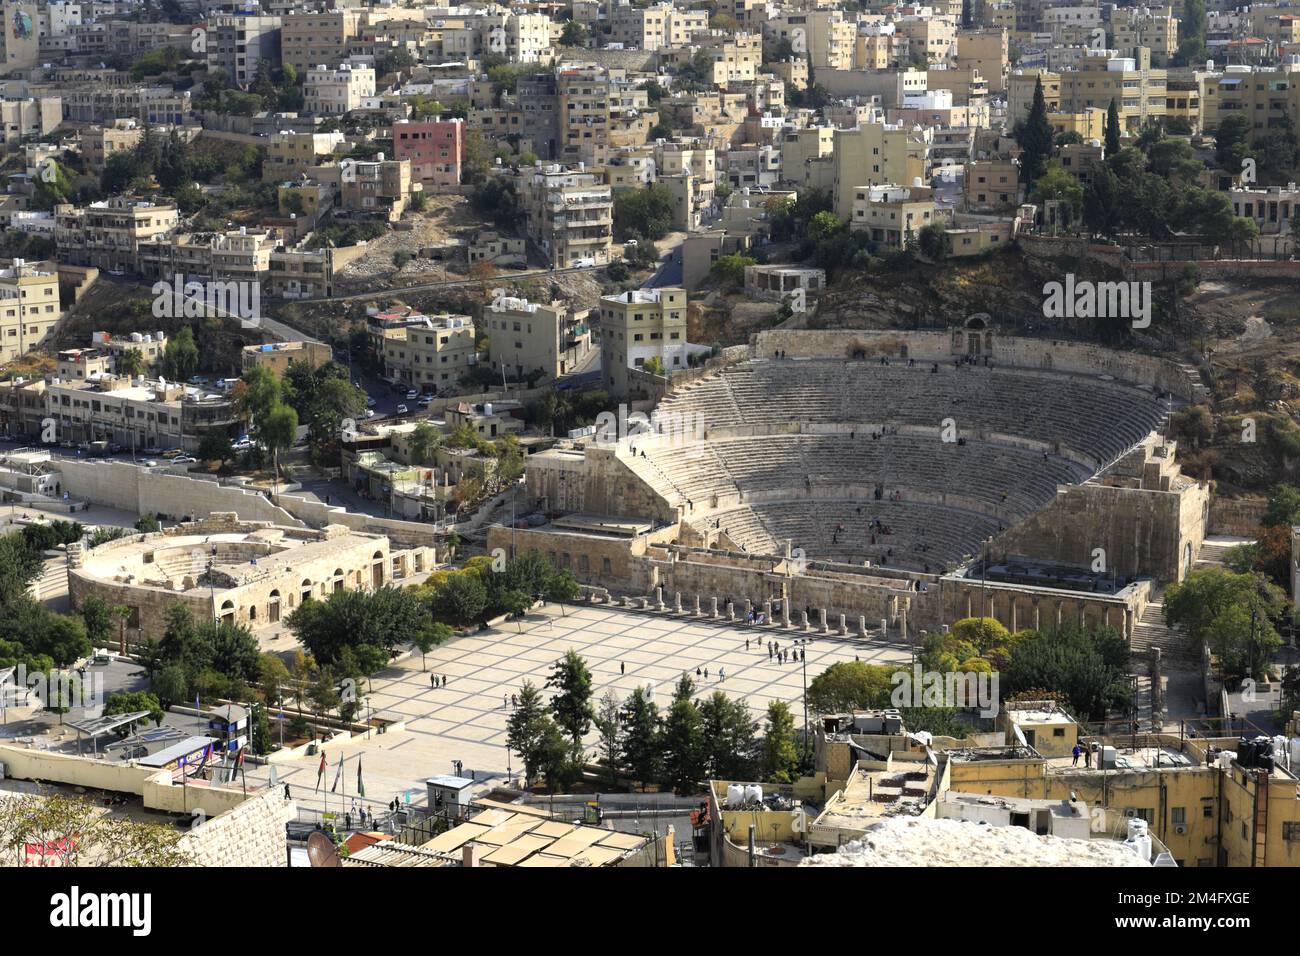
(436, 149)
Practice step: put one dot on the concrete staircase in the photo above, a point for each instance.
(53, 581)
(1215, 547)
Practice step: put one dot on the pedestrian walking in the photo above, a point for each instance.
(1076, 752)
(622, 667)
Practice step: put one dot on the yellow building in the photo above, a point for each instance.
(29, 305)
(1265, 96)
(893, 215)
(985, 51)
(1137, 88)
(876, 155)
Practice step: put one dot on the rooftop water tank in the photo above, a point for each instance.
(735, 795)
(753, 793)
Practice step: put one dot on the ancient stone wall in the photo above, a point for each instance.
(1237, 516)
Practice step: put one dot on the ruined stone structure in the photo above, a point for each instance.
(249, 572)
(865, 474)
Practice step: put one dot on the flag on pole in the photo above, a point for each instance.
(320, 771)
(361, 787)
(338, 775)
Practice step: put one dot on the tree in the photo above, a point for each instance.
(683, 741)
(1112, 128)
(130, 702)
(256, 393)
(642, 745)
(934, 242)
(571, 705)
(129, 363)
(1035, 137)
(643, 213)
(386, 619)
(1283, 507)
(516, 604)
(573, 34)
(1234, 613)
(422, 444)
(1056, 185)
(730, 269)
(100, 620)
(148, 524)
(611, 736)
(74, 831)
(1088, 666)
(180, 356)
(215, 445)
(780, 756)
(1101, 201)
(850, 685)
(461, 598)
(170, 685)
(526, 730)
(277, 432)
(730, 738)
(19, 567)
(435, 634)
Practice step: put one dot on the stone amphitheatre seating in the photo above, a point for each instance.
(1094, 417)
(1026, 432)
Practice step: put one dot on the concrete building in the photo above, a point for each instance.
(335, 90)
(435, 149)
(20, 47)
(429, 352)
(527, 336)
(311, 39)
(637, 327)
(569, 214)
(1266, 96)
(893, 215)
(29, 305)
(1137, 88)
(875, 155)
(243, 46)
(108, 234)
(278, 355)
(290, 154)
(27, 118)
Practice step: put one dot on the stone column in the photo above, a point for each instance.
(785, 613)
(659, 597)
(803, 620)
(824, 627)
(844, 628)
(1035, 614)
(862, 625)
(713, 607)
(1157, 691)
(697, 606)
(1014, 616)
(767, 611)
(731, 610)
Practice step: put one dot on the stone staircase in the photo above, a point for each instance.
(53, 581)
(1151, 631)
(1214, 548)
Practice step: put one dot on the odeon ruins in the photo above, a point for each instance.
(248, 572)
(848, 481)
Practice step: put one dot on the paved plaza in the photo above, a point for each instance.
(466, 720)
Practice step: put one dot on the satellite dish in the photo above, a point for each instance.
(321, 850)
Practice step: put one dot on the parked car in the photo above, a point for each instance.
(173, 453)
(403, 410)
(184, 460)
(426, 401)
(370, 413)
(148, 463)
(412, 395)
(241, 444)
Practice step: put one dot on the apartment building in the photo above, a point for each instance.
(429, 352)
(243, 46)
(1276, 209)
(638, 326)
(569, 214)
(290, 154)
(893, 215)
(1267, 96)
(28, 118)
(434, 148)
(928, 40)
(655, 26)
(992, 185)
(109, 234)
(29, 305)
(148, 345)
(335, 90)
(379, 188)
(986, 51)
(277, 356)
(600, 110)
(736, 57)
(876, 154)
(314, 39)
(1155, 28)
(20, 46)
(531, 336)
(1137, 88)
(827, 37)
(146, 104)
(141, 414)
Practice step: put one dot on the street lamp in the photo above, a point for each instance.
(800, 646)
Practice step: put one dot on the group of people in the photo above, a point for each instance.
(436, 680)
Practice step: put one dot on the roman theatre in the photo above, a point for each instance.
(866, 480)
